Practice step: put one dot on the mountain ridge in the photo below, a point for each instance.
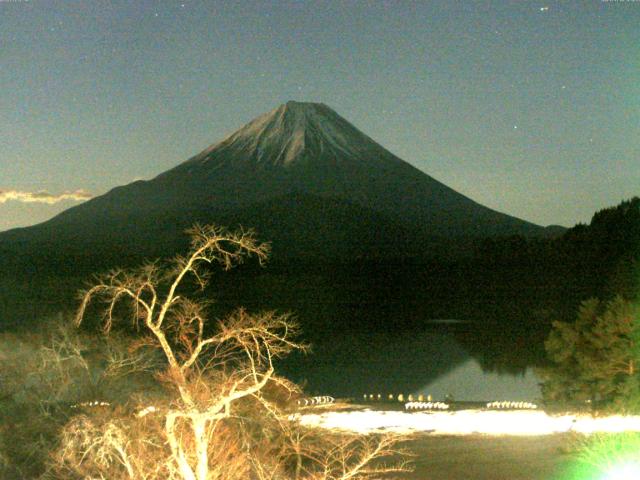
(297, 148)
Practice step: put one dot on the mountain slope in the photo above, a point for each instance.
(298, 151)
(307, 147)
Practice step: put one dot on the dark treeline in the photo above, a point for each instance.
(601, 258)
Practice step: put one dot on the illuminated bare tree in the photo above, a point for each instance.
(220, 374)
(243, 347)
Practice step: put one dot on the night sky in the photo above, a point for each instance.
(528, 107)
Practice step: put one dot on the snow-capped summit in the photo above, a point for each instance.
(294, 132)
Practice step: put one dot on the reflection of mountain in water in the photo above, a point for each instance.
(375, 363)
(468, 382)
(396, 328)
(431, 362)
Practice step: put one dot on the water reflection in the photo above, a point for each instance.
(437, 360)
(375, 362)
(469, 382)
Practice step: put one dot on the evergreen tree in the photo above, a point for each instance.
(595, 359)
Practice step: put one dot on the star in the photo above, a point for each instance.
(515, 127)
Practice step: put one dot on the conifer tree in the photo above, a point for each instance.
(595, 359)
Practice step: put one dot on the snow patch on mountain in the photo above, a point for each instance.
(291, 131)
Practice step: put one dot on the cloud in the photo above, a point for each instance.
(43, 196)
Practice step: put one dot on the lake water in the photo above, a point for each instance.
(430, 362)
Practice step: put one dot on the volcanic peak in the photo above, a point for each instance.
(292, 132)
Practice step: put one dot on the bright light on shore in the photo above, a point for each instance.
(626, 471)
(467, 422)
(612, 424)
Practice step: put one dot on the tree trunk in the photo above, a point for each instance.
(176, 450)
(202, 447)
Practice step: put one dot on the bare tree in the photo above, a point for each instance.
(220, 377)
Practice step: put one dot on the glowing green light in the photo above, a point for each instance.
(607, 456)
(624, 471)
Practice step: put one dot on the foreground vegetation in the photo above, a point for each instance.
(181, 399)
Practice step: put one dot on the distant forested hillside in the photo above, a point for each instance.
(601, 257)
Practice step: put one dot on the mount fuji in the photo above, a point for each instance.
(301, 174)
